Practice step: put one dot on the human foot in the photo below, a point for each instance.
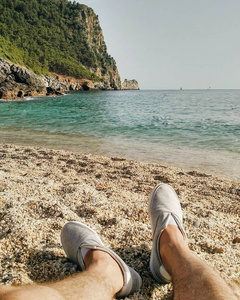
(164, 209)
(76, 236)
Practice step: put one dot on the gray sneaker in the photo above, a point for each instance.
(163, 205)
(76, 235)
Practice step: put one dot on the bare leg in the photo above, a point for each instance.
(101, 280)
(28, 293)
(192, 278)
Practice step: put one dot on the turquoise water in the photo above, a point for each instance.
(195, 128)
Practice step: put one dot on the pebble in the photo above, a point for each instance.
(197, 224)
(207, 244)
(218, 250)
(236, 240)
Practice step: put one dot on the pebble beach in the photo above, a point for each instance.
(42, 189)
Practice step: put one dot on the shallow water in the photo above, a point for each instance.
(192, 129)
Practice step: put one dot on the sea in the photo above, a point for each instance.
(191, 129)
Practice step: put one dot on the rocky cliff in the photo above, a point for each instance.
(18, 82)
(130, 85)
(106, 67)
(60, 38)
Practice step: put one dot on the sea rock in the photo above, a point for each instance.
(130, 85)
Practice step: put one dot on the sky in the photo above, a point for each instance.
(168, 44)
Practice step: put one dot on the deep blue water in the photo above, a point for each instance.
(188, 128)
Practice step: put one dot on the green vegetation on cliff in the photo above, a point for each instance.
(53, 36)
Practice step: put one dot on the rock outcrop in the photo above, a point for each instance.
(130, 85)
(18, 82)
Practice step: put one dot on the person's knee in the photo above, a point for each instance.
(29, 292)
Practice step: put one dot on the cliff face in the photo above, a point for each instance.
(60, 38)
(130, 85)
(106, 66)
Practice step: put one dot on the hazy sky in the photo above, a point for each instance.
(166, 44)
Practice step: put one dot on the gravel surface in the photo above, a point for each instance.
(42, 189)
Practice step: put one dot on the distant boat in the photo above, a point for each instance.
(180, 88)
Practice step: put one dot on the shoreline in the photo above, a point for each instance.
(217, 163)
(25, 83)
(42, 189)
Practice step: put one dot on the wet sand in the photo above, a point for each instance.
(42, 189)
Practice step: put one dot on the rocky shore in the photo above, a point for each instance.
(43, 189)
(17, 82)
